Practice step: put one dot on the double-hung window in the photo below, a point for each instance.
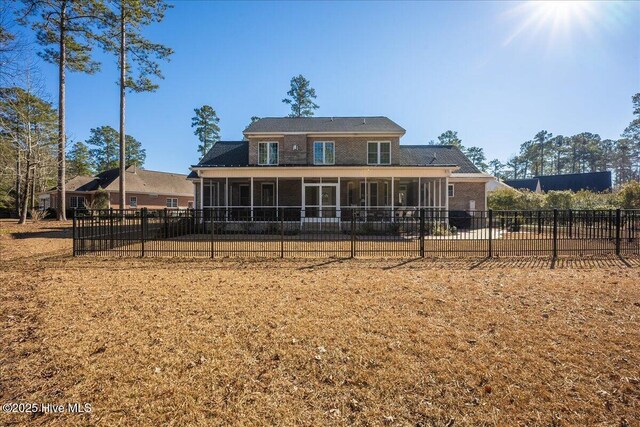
(172, 203)
(379, 153)
(324, 153)
(267, 153)
(133, 202)
(76, 202)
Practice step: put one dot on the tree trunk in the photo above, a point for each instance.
(62, 216)
(18, 178)
(122, 105)
(24, 197)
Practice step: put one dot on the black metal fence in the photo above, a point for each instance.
(355, 232)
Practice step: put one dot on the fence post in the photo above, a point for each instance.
(618, 227)
(166, 224)
(490, 233)
(555, 233)
(74, 250)
(281, 232)
(143, 215)
(111, 228)
(570, 223)
(422, 232)
(353, 233)
(539, 221)
(212, 225)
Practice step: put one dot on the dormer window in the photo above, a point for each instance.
(324, 153)
(379, 153)
(267, 153)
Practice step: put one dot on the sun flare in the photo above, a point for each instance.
(556, 19)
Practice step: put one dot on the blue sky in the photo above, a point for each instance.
(495, 72)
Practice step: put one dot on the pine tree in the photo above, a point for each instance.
(135, 155)
(79, 160)
(301, 97)
(105, 150)
(450, 138)
(122, 28)
(64, 29)
(207, 130)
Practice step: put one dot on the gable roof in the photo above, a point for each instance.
(324, 125)
(531, 184)
(594, 181)
(137, 181)
(436, 155)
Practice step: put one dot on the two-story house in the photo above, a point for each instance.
(324, 165)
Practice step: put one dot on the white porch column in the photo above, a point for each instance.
(226, 198)
(366, 195)
(251, 195)
(201, 193)
(277, 193)
(393, 199)
(419, 192)
(338, 204)
(446, 199)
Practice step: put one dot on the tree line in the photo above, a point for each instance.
(68, 32)
(546, 154)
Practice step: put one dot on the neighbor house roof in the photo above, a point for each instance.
(594, 181)
(137, 181)
(436, 155)
(82, 183)
(324, 125)
(531, 184)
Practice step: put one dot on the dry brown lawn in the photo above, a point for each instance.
(316, 342)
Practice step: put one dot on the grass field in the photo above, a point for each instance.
(316, 342)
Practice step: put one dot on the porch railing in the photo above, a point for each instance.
(355, 232)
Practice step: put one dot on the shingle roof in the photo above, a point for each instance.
(137, 181)
(530, 184)
(227, 153)
(594, 181)
(434, 155)
(82, 183)
(324, 125)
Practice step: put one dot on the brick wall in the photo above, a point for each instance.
(465, 192)
(353, 150)
(349, 150)
(148, 201)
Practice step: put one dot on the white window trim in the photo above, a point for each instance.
(133, 205)
(379, 144)
(277, 153)
(453, 190)
(169, 202)
(324, 154)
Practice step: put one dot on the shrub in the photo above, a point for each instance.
(559, 199)
(507, 199)
(628, 196)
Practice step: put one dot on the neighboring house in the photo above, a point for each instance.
(495, 184)
(592, 181)
(144, 189)
(323, 165)
(530, 184)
